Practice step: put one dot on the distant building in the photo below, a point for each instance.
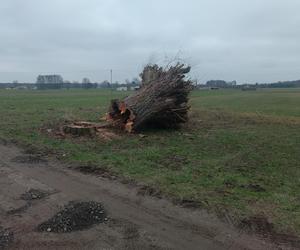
(122, 89)
(135, 87)
(232, 83)
(221, 84)
(86, 80)
(49, 79)
(21, 87)
(216, 84)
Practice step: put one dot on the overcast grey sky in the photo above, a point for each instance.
(246, 40)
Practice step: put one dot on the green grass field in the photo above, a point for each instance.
(240, 151)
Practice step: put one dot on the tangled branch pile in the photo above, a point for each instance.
(162, 100)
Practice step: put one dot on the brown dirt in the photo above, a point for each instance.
(33, 159)
(136, 221)
(34, 194)
(261, 225)
(96, 170)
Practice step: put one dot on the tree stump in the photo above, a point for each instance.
(83, 128)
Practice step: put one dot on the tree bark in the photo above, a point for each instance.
(162, 100)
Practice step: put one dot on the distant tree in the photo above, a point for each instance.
(221, 84)
(86, 80)
(104, 84)
(49, 82)
(15, 83)
(86, 84)
(67, 85)
(136, 81)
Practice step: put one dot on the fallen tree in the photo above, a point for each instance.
(162, 100)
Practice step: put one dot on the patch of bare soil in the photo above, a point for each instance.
(258, 224)
(3, 141)
(107, 134)
(34, 194)
(96, 170)
(149, 191)
(6, 237)
(261, 225)
(32, 159)
(30, 196)
(19, 210)
(190, 203)
(74, 217)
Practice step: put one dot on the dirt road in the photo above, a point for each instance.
(134, 221)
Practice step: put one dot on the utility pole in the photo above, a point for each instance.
(111, 79)
(111, 76)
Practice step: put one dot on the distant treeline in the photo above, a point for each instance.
(285, 84)
(132, 85)
(224, 84)
(44, 86)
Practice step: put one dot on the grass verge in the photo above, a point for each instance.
(228, 156)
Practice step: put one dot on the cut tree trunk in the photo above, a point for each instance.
(79, 130)
(162, 100)
(84, 128)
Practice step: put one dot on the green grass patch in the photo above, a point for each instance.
(240, 150)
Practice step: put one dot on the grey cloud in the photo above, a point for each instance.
(249, 40)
